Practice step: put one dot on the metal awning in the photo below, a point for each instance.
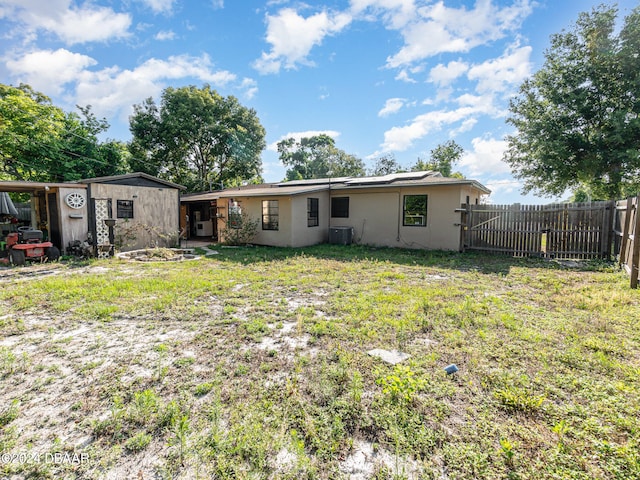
(30, 187)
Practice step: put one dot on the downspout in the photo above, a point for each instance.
(329, 222)
(399, 215)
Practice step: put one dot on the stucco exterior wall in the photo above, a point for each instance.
(155, 213)
(376, 217)
(375, 214)
(252, 206)
(302, 234)
(293, 229)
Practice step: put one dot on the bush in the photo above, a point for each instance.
(246, 230)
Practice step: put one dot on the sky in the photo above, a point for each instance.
(382, 77)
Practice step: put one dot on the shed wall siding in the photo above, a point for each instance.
(154, 208)
(71, 227)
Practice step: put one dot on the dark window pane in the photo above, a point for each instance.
(340, 207)
(124, 208)
(313, 212)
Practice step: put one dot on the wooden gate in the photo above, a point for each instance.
(627, 230)
(567, 230)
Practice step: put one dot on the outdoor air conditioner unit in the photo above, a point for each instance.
(341, 235)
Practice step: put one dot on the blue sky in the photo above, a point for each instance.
(380, 76)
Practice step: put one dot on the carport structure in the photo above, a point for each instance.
(58, 209)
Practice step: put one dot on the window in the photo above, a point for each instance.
(270, 214)
(340, 207)
(124, 208)
(414, 213)
(312, 212)
(235, 214)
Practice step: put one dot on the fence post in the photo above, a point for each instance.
(606, 246)
(465, 217)
(635, 257)
(625, 233)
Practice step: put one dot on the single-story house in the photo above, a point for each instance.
(412, 210)
(146, 210)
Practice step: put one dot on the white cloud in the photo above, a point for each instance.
(441, 29)
(292, 37)
(499, 74)
(460, 119)
(159, 6)
(503, 186)
(250, 87)
(48, 70)
(396, 13)
(113, 91)
(480, 103)
(401, 138)
(165, 35)
(444, 75)
(300, 135)
(486, 158)
(465, 126)
(392, 105)
(403, 76)
(72, 24)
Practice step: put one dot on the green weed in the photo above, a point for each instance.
(138, 442)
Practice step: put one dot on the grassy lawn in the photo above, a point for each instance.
(253, 364)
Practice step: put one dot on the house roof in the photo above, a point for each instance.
(430, 181)
(378, 179)
(404, 179)
(313, 181)
(137, 178)
(273, 191)
(301, 187)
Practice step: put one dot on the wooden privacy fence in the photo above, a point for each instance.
(627, 234)
(568, 230)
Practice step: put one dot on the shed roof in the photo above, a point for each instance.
(140, 179)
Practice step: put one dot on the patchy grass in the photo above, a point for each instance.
(253, 364)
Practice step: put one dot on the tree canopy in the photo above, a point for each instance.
(40, 142)
(443, 157)
(386, 165)
(197, 138)
(577, 118)
(30, 131)
(317, 157)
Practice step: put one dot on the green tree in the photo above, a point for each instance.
(317, 157)
(31, 131)
(577, 119)
(197, 138)
(82, 154)
(386, 165)
(443, 158)
(40, 142)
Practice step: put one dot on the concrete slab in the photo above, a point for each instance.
(390, 356)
